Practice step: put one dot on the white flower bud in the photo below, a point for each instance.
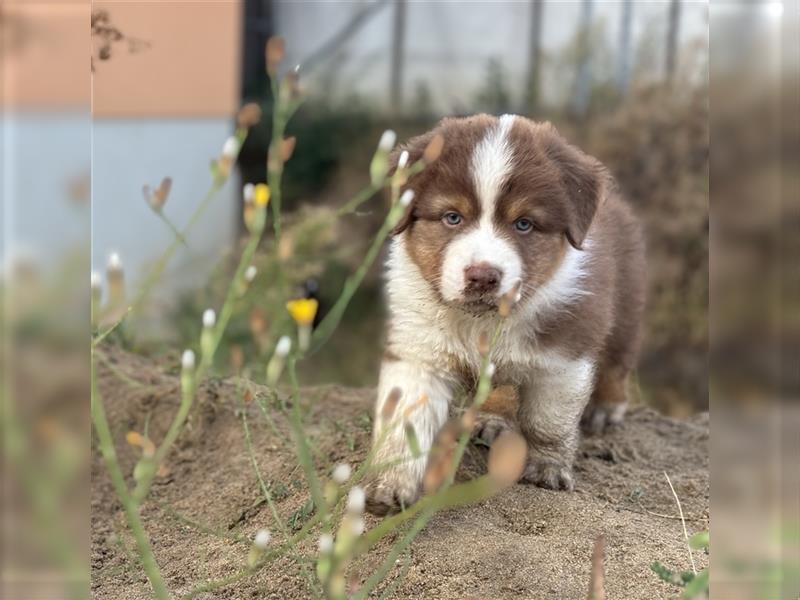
(325, 543)
(209, 318)
(402, 162)
(250, 274)
(261, 541)
(490, 368)
(387, 140)
(283, 346)
(341, 473)
(230, 148)
(114, 262)
(406, 198)
(249, 191)
(187, 360)
(357, 526)
(356, 500)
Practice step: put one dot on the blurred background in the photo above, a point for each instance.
(626, 81)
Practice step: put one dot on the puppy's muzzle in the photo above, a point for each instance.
(482, 279)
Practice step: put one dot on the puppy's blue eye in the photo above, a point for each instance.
(523, 225)
(452, 218)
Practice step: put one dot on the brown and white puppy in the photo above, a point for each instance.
(509, 202)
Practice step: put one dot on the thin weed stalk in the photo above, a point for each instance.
(129, 504)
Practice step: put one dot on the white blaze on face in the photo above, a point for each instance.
(491, 165)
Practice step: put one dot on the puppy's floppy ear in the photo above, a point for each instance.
(585, 181)
(416, 148)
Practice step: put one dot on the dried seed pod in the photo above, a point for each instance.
(434, 148)
(509, 299)
(440, 457)
(421, 401)
(484, 343)
(468, 419)
(287, 148)
(390, 404)
(249, 115)
(237, 358)
(258, 322)
(507, 458)
(274, 53)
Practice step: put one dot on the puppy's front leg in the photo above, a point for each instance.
(550, 409)
(399, 484)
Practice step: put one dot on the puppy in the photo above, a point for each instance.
(509, 205)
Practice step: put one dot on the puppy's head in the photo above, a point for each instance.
(498, 208)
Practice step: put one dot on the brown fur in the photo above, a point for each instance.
(571, 200)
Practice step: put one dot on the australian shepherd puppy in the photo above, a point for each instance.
(509, 208)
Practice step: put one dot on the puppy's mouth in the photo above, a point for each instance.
(478, 304)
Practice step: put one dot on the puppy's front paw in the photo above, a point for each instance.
(597, 418)
(548, 473)
(390, 494)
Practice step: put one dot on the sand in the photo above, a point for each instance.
(524, 543)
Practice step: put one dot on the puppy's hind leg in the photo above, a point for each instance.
(498, 414)
(489, 426)
(609, 401)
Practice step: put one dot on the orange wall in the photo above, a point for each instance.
(189, 67)
(44, 54)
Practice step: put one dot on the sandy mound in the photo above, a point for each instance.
(525, 543)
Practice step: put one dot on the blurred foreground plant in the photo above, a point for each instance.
(338, 503)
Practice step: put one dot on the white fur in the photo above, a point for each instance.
(426, 331)
(477, 246)
(492, 161)
(491, 165)
(559, 392)
(414, 380)
(564, 287)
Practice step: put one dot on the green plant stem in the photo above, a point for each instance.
(144, 483)
(104, 334)
(392, 588)
(457, 495)
(280, 551)
(106, 445)
(280, 118)
(225, 535)
(270, 421)
(171, 226)
(331, 321)
(230, 299)
(362, 196)
(164, 259)
(267, 495)
(391, 558)
(303, 451)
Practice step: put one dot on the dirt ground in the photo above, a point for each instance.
(524, 543)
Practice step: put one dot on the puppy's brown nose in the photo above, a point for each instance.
(482, 278)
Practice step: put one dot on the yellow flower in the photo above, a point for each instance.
(303, 310)
(261, 194)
